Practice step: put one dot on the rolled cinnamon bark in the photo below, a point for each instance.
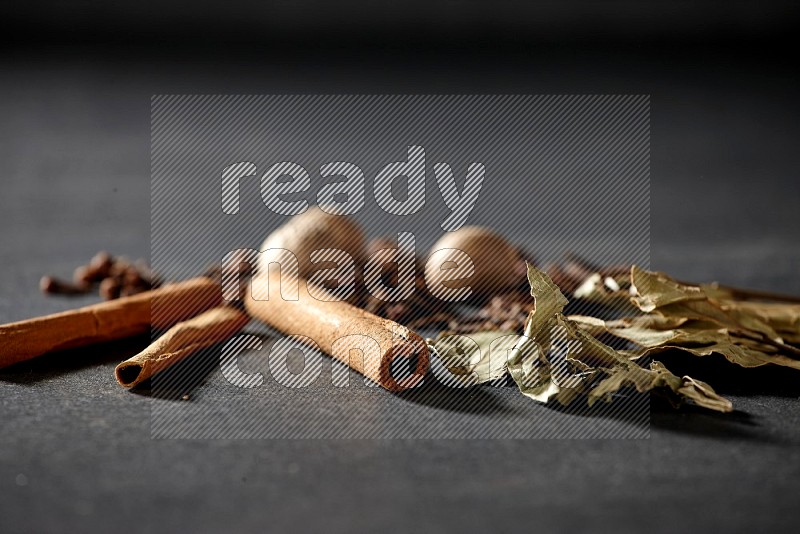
(106, 321)
(367, 343)
(182, 340)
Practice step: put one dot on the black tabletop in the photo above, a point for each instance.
(77, 451)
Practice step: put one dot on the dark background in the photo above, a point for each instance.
(75, 449)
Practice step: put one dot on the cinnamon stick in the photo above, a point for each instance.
(107, 321)
(367, 343)
(182, 340)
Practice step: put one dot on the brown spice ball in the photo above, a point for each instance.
(494, 258)
(314, 230)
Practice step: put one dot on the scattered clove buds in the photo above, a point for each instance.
(114, 277)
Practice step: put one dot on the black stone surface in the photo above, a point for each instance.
(76, 452)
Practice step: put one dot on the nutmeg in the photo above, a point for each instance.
(495, 260)
(314, 230)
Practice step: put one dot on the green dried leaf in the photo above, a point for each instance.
(479, 357)
(559, 358)
(657, 293)
(681, 316)
(659, 377)
(784, 318)
(556, 360)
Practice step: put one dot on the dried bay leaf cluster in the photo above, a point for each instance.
(704, 320)
(560, 358)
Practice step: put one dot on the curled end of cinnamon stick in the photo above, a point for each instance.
(181, 341)
(405, 365)
(130, 374)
